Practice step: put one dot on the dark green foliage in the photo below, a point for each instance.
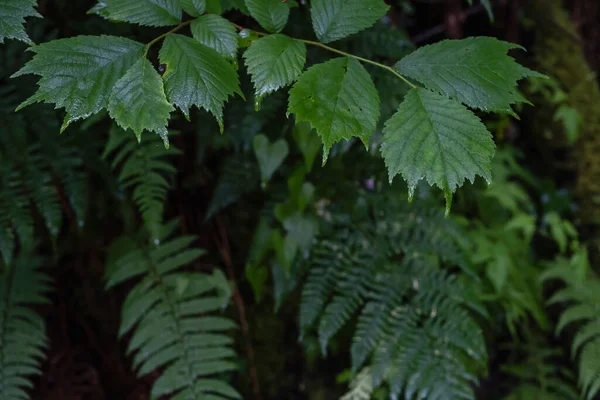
(582, 296)
(416, 328)
(145, 170)
(191, 345)
(22, 332)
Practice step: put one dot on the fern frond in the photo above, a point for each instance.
(192, 347)
(361, 387)
(22, 331)
(541, 375)
(582, 293)
(414, 319)
(145, 169)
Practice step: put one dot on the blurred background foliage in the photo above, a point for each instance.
(516, 261)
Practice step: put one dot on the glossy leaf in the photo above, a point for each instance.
(142, 12)
(435, 138)
(338, 98)
(138, 101)
(12, 18)
(270, 14)
(197, 75)
(475, 71)
(217, 33)
(274, 62)
(78, 74)
(335, 19)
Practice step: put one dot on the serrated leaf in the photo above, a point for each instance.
(273, 62)
(435, 138)
(270, 14)
(12, 18)
(475, 71)
(78, 74)
(138, 101)
(270, 156)
(336, 19)
(196, 8)
(197, 75)
(142, 12)
(217, 33)
(339, 100)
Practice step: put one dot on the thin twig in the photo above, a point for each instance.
(225, 251)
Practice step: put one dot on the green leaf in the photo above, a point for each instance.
(12, 18)
(270, 14)
(78, 74)
(339, 100)
(438, 139)
(142, 12)
(274, 62)
(197, 75)
(217, 33)
(269, 156)
(475, 71)
(336, 19)
(138, 101)
(308, 143)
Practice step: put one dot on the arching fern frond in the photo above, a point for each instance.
(22, 331)
(582, 294)
(361, 387)
(170, 312)
(416, 330)
(145, 169)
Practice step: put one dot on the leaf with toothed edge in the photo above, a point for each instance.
(217, 33)
(78, 73)
(138, 101)
(197, 75)
(476, 71)
(271, 14)
(336, 19)
(12, 18)
(435, 138)
(273, 62)
(339, 99)
(142, 12)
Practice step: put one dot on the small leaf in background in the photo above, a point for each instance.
(217, 33)
(274, 62)
(285, 249)
(138, 101)
(435, 138)
(257, 275)
(72, 78)
(308, 143)
(561, 230)
(336, 19)
(571, 120)
(497, 270)
(270, 156)
(302, 229)
(12, 18)
(339, 99)
(270, 14)
(197, 75)
(476, 71)
(142, 12)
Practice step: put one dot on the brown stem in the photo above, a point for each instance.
(225, 251)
